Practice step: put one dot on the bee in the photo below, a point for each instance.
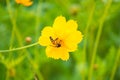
(55, 42)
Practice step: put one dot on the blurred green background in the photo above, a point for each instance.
(97, 57)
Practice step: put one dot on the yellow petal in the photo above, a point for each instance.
(44, 40)
(72, 47)
(71, 25)
(18, 1)
(57, 53)
(48, 31)
(63, 28)
(27, 3)
(59, 22)
(72, 40)
(24, 2)
(60, 25)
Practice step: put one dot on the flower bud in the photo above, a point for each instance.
(28, 39)
(95, 66)
(74, 9)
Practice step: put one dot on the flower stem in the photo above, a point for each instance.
(13, 21)
(37, 23)
(20, 48)
(86, 30)
(116, 64)
(86, 35)
(98, 38)
(37, 18)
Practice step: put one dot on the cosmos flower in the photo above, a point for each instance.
(60, 39)
(24, 2)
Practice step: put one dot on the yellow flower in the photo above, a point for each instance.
(61, 38)
(24, 2)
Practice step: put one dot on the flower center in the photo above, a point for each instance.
(55, 42)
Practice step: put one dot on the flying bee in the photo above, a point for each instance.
(55, 42)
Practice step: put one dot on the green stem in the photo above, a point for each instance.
(15, 30)
(12, 18)
(116, 64)
(98, 38)
(86, 34)
(13, 22)
(20, 48)
(37, 20)
(86, 31)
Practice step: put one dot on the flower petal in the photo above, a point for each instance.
(60, 25)
(72, 40)
(18, 1)
(44, 40)
(57, 53)
(47, 31)
(71, 25)
(63, 28)
(27, 3)
(59, 22)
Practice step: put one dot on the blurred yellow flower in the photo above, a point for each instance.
(24, 2)
(60, 39)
